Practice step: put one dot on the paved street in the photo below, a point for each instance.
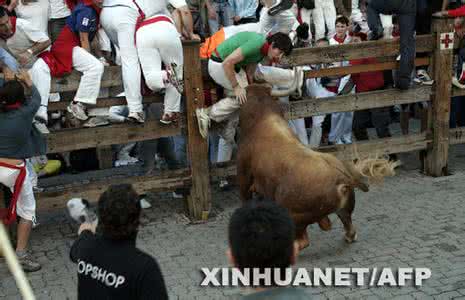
(412, 220)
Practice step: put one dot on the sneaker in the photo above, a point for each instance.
(136, 117)
(144, 204)
(279, 7)
(78, 110)
(203, 121)
(41, 114)
(224, 185)
(28, 264)
(169, 117)
(41, 127)
(177, 196)
(96, 121)
(126, 161)
(423, 78)
(173, 77)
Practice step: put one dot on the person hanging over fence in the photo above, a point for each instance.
(159, 42)
(19, 140)
(232, 66)
(24, 40)
(72, 50)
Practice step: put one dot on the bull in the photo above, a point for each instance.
(311, 185)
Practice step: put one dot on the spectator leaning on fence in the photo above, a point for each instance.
(19, 140)
(109, 265)
(72, 50)
(261, 235)
(158, 41)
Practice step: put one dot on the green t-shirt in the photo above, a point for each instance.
(249, 42)
(288, 293)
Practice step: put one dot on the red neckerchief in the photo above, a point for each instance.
(264, 51)
(12, 106)
(71, 4)
(340, 41)
(91, 4)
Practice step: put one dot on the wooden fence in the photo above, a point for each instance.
(433, 140)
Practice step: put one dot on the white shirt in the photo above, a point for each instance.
(58, 9)
(149, 7)
(284, 22)
(24, 37)
(35, 12)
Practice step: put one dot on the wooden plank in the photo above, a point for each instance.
(70, 83)
(437, 155)
(105, 102)
(199, 200)
(389, 65)
(167, 181)
(360, 101)
(105, 157)
(83, 138)
(330, 54)
(457, 92)
(457, 136)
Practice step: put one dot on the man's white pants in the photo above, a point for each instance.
(357, 16)
(316, 90)
(323, 14)
(119, 23)
(84, 62)
(156, 43)
(26, 205)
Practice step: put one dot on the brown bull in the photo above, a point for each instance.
(273, 163)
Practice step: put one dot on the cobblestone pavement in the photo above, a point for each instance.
(412, 220)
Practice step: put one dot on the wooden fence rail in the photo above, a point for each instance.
(434, 140)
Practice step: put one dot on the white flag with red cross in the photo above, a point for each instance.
(447, 41)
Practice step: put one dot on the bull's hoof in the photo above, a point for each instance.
(325, 224)
(303, 244)
(351, 238)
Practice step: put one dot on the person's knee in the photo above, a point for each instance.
(98, 68)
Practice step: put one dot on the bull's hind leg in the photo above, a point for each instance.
(345, 214)
(302, 236)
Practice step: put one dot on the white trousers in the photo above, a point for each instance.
(357, 16)
(323, 15)
(84, 62)
(119, 23)
(26, 205)
(386, 20)
(156, 43)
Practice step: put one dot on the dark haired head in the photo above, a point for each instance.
(302, 31)
(261, 235)
(342, 20)
(322, 40)
(3, 11)
(11, 95)
(281, 41)
(119, 212)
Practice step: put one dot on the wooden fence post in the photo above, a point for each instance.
(199, 200)
(437, 154)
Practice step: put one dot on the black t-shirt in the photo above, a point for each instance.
(109, 269)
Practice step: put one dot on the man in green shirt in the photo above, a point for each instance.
(233, 65)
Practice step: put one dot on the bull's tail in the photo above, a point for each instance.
(371, 170)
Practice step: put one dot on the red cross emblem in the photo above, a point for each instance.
(447, 41)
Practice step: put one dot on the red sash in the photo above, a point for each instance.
(153, 20)
(8, 215)
(60, 57)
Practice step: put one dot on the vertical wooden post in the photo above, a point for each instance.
(199, 200)
(437, 154)
(105, 157)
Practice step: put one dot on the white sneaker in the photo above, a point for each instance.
(177, 196)
(41, 114)
(203, 121)
(41, 127)
(78, 110)
(136, 117)
(144, 204)
(423, 78)
(126, 161)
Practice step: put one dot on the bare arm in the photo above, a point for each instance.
(25, 56)
(444, 4)
(186, 18)
(229, 63)
(84, 39)
(40, 46)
